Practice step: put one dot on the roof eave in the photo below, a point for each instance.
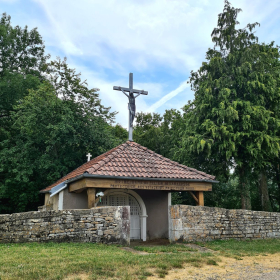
(86, 175)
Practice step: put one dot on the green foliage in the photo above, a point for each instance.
(232, 122)
(22, 60)
(49, 119)
(50, 139)
(120, 133)
(148, 132)
(69, 87)
(21, 50)
(159, 133)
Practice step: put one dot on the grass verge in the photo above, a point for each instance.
(97, 261)
(240, 248)
(93, 261)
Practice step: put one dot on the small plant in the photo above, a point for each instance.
(161, 272)
(211, 262)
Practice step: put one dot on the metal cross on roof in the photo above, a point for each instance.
(131, 102)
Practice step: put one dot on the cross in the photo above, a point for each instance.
(89, 156)
(131, 102)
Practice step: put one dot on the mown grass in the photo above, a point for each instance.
(98, 261)
(236, 248)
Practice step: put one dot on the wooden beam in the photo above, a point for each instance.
(91, 197)
(194, 197)
(80, 190)
(139, 185)
(78, 185)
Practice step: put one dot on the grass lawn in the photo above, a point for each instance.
(235, 248)
(98, 261)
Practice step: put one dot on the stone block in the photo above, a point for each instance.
(99, 220)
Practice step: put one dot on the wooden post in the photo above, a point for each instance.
(200, 198)
(91, 197)
(47, 198)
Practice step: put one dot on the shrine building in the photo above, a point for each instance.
(133, 175)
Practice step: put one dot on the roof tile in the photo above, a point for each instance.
(133, 160)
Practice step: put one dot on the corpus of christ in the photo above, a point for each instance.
(131, 102)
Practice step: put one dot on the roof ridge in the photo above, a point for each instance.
(174, 162)
(110, 156)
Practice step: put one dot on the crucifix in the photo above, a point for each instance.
(131, 102)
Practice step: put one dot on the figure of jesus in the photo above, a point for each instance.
(131, 101)
(131, 108)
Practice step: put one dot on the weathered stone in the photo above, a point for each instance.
(104, 224)
(196, 223)
(99, 220)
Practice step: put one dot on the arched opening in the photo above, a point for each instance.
(138, 213)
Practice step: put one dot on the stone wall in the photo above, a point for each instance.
(103, 224)
(200, 223)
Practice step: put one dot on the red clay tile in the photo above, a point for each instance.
(133, 160)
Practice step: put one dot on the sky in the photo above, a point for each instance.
(159, 41)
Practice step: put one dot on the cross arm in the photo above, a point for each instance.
(139, 91)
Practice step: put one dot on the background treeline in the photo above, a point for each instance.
(50, 119)
(232, 127)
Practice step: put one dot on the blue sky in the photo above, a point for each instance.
(160, 41)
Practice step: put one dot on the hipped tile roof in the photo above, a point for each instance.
(133, 160)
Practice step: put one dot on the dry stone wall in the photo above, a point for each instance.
(200, 223)
(102, 225)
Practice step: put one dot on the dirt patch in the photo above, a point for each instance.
(134, 251)
(199, 248)
(80, 276)
(154, 242)
(262, 267)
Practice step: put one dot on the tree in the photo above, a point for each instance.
(159, 133)
(147, 131)
(22, 60)
(69, 87)
(49, 119)
(230, 121)
(120, 133)
(50, 139)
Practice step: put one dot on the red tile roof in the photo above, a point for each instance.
(133, 160)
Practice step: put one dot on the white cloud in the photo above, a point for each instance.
(116, 99)
(161, 39)
(168, 96)
(164, 31)
(66, 43)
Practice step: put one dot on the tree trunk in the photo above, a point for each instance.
(278, 182)
(278, 195)
(263, 192)
(244, 190)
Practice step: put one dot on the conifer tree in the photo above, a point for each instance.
(232, 119)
